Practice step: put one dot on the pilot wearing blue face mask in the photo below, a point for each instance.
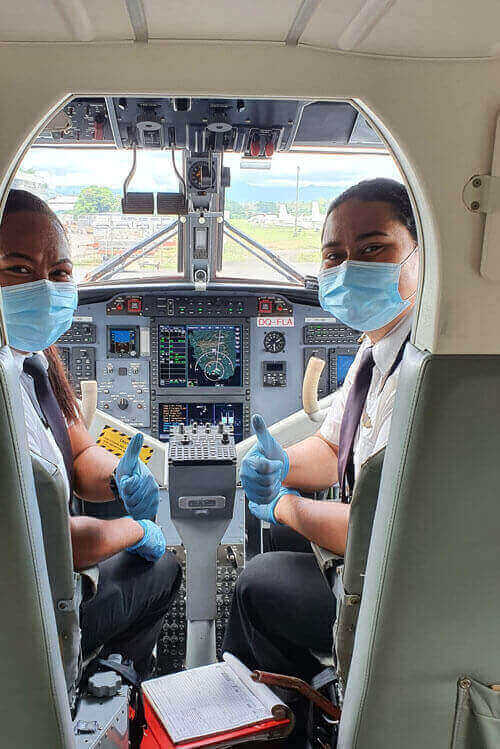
(137, 579)
(282, 609)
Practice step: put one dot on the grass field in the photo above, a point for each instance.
(303, 246)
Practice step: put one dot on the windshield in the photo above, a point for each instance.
(281, 208)
(284, 207)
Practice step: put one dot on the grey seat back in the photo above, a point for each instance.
(34, 710)
(428, 623)
(65, 584)
(352, 573)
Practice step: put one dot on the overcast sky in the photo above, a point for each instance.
(320, 175)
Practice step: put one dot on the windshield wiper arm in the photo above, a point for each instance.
(114, 264)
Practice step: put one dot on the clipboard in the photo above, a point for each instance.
(215, 706)
(156, 736)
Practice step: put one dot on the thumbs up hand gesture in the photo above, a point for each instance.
(136, 484)
(264, 467)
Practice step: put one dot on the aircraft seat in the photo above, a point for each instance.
(426, 648)
(67, 586)
(350, 576)
(346, 574)
(34, 708)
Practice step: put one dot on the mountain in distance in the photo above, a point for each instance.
(246, 193)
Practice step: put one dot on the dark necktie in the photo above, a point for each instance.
(352, 415)
(50, 408)
(350, 421)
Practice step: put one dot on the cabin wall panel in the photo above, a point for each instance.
(441, 115)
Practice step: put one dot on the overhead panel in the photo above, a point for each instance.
(417, 29)
(256, 128)
(259, 20)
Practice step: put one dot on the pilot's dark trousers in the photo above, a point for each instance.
(282, 609)
(126, 614)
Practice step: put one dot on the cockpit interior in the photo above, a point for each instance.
(193, 162)
(173, 331)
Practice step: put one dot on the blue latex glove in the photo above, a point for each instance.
(152, 545)
(264, 467)
(266, 512)
(136, 484)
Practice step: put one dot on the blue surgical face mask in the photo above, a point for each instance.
(363, 295)
(38, 313)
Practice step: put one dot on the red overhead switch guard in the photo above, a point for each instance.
(134, 305)
(98, 130)
(269, 149)
(255, 146)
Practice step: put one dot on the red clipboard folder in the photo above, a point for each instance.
(156, 737)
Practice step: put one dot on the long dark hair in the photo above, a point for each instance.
(22, 200)
(65, 395)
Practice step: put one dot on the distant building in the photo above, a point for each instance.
(265, 219)
(314, 220)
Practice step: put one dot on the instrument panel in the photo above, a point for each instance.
(162, 359)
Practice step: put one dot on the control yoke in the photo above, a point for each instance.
(310, 383)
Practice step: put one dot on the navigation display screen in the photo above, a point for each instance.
(199, 355)
(344, 361)
(173, 414)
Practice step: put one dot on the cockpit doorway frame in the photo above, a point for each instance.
(357, 104)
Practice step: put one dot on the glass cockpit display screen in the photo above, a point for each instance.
(199, 355)
(122, 341)
(344, 361)
(173, 414)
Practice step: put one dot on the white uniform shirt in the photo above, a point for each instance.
(40, 438)
(373, 431)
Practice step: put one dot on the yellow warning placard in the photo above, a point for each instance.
(116, 442)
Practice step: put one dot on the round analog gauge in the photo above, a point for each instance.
(274, 342)
(200, 176)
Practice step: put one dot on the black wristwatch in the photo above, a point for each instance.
(114, 488)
